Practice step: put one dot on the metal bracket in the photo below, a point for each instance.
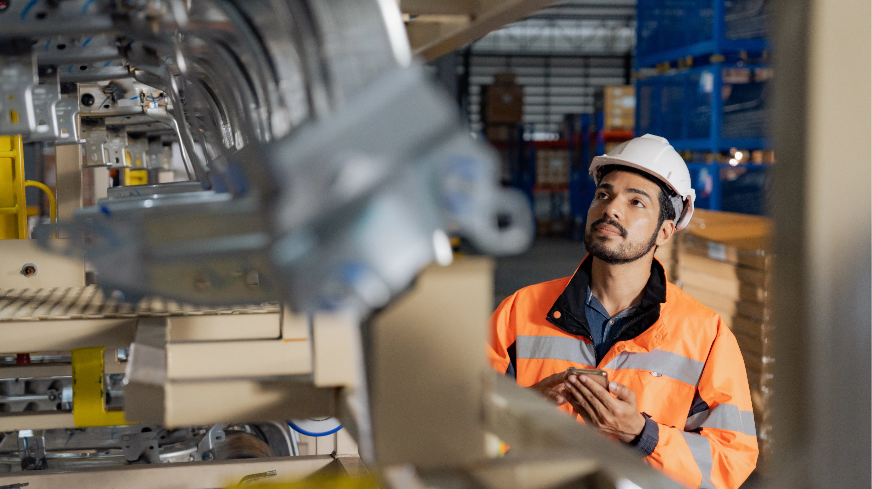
(116, 146)
(136, 445)
(94, 134)
(160, 155)
(206, 447)
(18, 77)
(138, 149)
(66, 111)
(45, 97)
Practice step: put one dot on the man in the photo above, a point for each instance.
(678, 392)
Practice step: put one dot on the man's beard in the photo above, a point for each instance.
(624, 254)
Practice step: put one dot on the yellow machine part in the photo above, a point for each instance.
(135, 177)
(13, 208)
(89, 390)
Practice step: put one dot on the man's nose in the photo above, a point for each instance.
(614, 210)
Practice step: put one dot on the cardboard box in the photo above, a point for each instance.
(712, 300)
(728, 288)
(618, 104)
(552, 167)
(740, 231)
(502, 103)
(752, 258)
(502, 133)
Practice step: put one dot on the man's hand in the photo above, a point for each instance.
(553, 388)
(614, 416)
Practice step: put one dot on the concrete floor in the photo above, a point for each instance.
(548, 259)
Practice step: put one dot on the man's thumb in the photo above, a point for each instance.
(621, 391)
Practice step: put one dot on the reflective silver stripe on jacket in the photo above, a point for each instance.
(664, 362)
(723, 417)
(555, 348)
(701, 450)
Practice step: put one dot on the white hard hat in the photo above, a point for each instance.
(654, 155)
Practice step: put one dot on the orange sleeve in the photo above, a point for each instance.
(502, 334)
(717, 447)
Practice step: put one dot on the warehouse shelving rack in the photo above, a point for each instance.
(698, 100)
(688, 31)
(684, 107)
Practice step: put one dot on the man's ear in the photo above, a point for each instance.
(667, 229)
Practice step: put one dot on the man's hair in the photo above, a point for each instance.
(667, 211)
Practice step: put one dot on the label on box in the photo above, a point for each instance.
(717, 251)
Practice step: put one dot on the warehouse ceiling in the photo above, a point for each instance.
(438, 28)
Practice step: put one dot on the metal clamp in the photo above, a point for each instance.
(31, 450)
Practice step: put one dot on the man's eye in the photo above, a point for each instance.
(601, 195)
(638, 203)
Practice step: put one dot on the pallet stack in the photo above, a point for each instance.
(723, 262)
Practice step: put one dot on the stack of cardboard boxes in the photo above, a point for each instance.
(502, 108)
(552, 168)
(551, 193)
(618, 105)
(722, 261)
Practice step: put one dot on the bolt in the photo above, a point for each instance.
(88, 100)
(29, 270)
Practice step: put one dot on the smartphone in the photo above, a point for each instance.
(601, 377)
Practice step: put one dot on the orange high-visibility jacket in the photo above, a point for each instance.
(677, 355)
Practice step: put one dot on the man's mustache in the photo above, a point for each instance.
(610, 222)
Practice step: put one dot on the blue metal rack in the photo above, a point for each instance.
(671, 30)
(693, 109)
(581, 186)
(742, 188)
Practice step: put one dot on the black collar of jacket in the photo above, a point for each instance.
(569, 307)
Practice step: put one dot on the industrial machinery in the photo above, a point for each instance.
(281, 280)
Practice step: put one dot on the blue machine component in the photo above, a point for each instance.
(684, 107)
(669, 30)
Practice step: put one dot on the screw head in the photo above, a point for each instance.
(88, 100)
(29, 270)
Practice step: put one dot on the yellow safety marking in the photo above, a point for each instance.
(135, 177)
(89, 392)
(13, 208)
